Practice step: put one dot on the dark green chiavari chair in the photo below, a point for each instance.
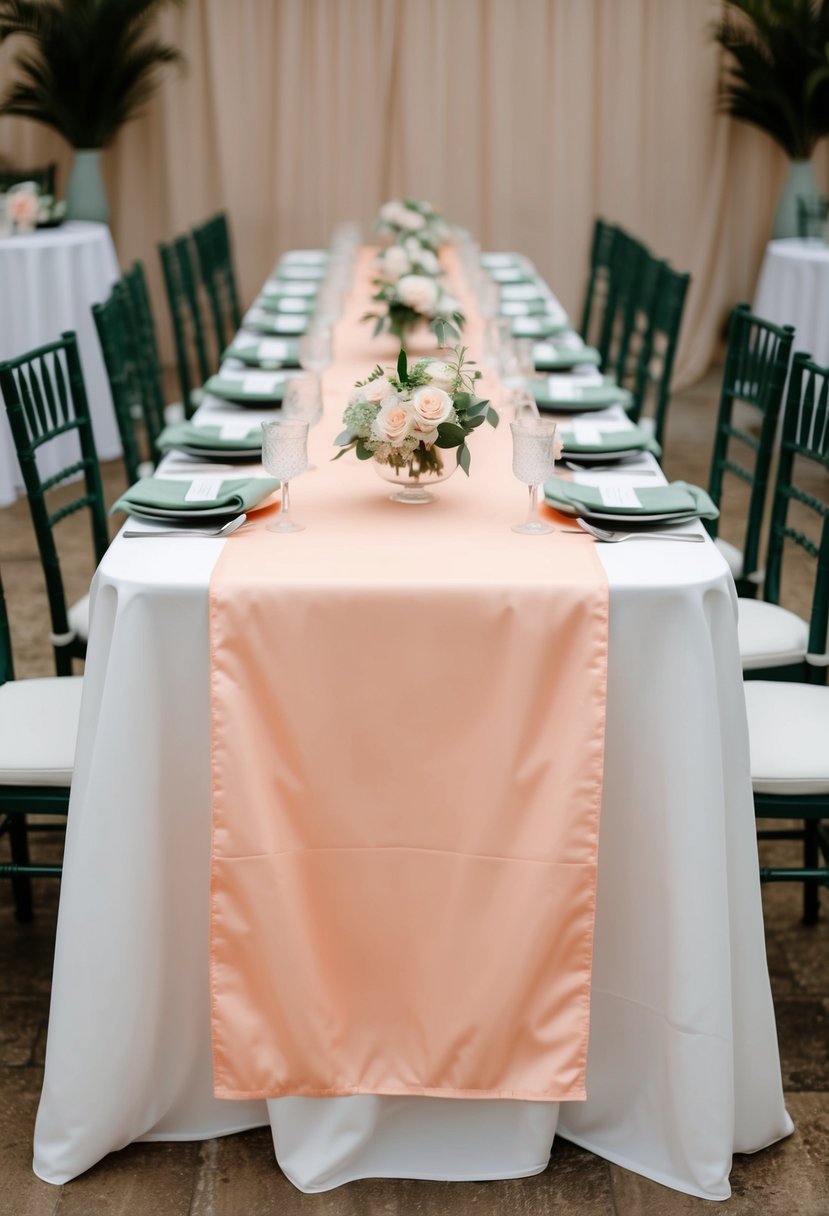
(625, 266)
(38, 728)
(640, 278)
(43, 178)
(215, 259)
(598, 281)
(756, 365)
(654, 362)
(45, 397)
(192, 361)
(135, 409)
(789, 721)
(776, 644)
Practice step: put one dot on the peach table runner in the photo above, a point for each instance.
(407, 737)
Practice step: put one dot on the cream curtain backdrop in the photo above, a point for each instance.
(520, 119)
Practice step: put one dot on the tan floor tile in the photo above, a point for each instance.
(21, 1193)
(142, 1180)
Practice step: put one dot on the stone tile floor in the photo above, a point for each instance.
(237, 1176)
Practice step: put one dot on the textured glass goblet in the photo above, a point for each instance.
(285, 455)
(533, 460)
(315, 348)
(302, 398)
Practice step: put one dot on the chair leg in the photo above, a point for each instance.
(811, 860)
(21, 883)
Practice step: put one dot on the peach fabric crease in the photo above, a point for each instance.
(407, 740)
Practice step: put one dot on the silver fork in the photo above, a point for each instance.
(616, 537)
(225, 530)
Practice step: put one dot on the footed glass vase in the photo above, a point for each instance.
(428, 467)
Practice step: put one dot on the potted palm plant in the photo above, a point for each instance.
(776, 79)
(88, 68)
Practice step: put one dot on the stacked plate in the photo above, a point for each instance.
(226, 439)
(278, 324)
(264, 352)
(604, 440)
(563, 352)
(631, 505)
(249, 387)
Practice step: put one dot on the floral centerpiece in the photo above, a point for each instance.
(405, 419)
(26, 208)
(415, 299)
(412, 217)
(409, 257)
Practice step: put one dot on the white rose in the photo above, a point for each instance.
(428, 262)
(430, 407)
(410, 220)
(389, 212)
(442, 375)
(413, 247)
(395, 263)
(393, 423)
(419, 292)
(377, 390)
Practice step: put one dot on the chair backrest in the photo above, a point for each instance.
(215, 259)
(756, 365)
(805, 437)
(119, 345)
(812, 216)
(45, 397)
(140, 315)
(44, 178)
(623, 276)
(6, 661)
(655, 359)
(192, 360)
(634, 309)
(598, 280)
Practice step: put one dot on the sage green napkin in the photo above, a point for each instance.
(602, 442)
(278, 323)
(556, 355)
(283, 302)
(539, 327)
(160, 494)
(681, 499)
(249, 387)
(512, 274)
(562, 394)
(211, 438)
(264, 352)
(524, 308)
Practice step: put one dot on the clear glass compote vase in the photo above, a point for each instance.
(415, 479)
(533, 460)
(285, 455)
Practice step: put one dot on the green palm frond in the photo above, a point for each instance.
(88, 67)
(776, 77)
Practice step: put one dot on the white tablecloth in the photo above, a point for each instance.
(793, 289)
(49, 281)
(683, 1064)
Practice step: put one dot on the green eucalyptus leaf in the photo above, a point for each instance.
(363, 453)
(473, 422)
(402, 366)
(344, 437)
(464, 458)
(492, 417)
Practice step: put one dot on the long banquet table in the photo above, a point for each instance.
(683, 1067)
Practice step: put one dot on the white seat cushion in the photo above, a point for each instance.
(38, 728)
(732, 555)
(788, 727)
(78, 616)
(770, 636)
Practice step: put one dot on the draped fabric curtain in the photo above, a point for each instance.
(520, 119)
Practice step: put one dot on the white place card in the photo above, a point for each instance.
(236, 428)
(263, 382)
(619, 496)
(587, 433)
(291, 304)
(296, 287)
(274, 348)
(204, 489)
(521, 291)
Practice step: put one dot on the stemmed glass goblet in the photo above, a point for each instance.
(285, 455)
(533, 460)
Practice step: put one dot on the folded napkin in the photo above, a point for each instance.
(282, 302)
(263, 322)
(546, 326)
(264, 352)
(504, 275)
(679, 498)
(567, 350)
(255, 386)
(198, 495)
(233, 435)
(537, 307)
(497, 260)
(565, 392)
(604, 437)
(277, 285)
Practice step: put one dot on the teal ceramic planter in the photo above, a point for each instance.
(799, 183)
(85, 195)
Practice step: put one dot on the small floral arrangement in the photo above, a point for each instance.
(406, 418)
(413, 299)
(26, 207)
(409, 257)
(412, 217)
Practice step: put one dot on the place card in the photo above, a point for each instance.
(522, 291)
(263, 382)
(204, 489)
(619, 496)
(237, 428)
(296, 287)
(587, 433)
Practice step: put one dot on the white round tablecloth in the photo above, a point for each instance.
(49, 281)
(794, 290)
